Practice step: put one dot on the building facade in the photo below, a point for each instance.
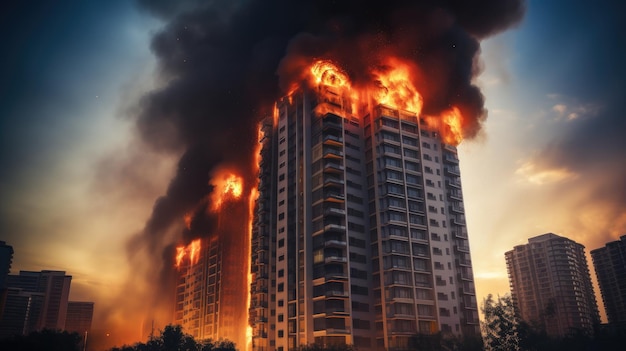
(359, 234)
(79, 317)
(551, 285)
(53, 286)
(610, 266)
(6, 259)
(212, 281)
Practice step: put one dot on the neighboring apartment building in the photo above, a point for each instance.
(551, 285)
(55, 289)
(79, 317)
(610, 266)
(359, 234)
(6, 258)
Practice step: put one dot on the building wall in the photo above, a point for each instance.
(79, 317)
(334, 261)
(55, 289)
(610, 267)
(551, 284)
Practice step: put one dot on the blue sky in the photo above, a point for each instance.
(551, 159)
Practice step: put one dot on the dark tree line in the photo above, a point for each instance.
(46, 339)
(172, 338)
(503, 330)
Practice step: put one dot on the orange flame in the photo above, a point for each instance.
(395, 89)
(180, 254)
(228, 186)
(452, 128)
(326, 73)
(254, 194)
(192, 251)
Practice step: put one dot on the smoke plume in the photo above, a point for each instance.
(225, 62)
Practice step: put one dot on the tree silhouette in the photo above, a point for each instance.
(500, 326)
(172, 338)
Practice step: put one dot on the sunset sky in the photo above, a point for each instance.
(76, 182)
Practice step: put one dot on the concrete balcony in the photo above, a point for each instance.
(333, 140)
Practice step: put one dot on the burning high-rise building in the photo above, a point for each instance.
(212, 272)
(346, 243)
(359, 234)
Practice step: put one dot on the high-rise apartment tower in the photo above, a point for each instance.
(359, 234)
(551, 285)
(610, 265)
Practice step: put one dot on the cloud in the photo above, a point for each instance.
(536, 174)
(569, 109)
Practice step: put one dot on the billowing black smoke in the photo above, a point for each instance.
(225, 61)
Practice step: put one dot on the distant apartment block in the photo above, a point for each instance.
(6, 258)
(55, 287)
(551, 285)
(610, 266)
(79, 317)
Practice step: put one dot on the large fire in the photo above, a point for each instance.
(392, 86)
(326, 73)
(452, 130)
(191, 251)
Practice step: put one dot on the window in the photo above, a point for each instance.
(393, 162)
(412, 166)
(396, 216)
(394, 189)
(409, 141)
(281, 242)
(390, 136)
(409, 128)
(413, 193)
(410, 153)
(413, 179)
(389, 123)
(420, 264)
(393, 149)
